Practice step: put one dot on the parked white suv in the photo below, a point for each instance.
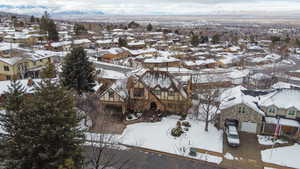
(232, 136)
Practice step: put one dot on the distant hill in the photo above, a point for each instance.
(39, 11)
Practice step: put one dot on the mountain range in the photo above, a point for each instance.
(39, 10)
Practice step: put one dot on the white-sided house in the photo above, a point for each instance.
(282, 107)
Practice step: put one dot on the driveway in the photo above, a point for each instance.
(248, 153)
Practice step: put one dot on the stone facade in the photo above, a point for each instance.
(249, 115)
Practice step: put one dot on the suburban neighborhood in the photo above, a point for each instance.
(225, 95)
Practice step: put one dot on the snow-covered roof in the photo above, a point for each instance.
(236, 96)
(199, 62)
(282, 98)
(161, 59)
(59, 44)
(81, 41)
(7, 46)
(282, 121)
(163, 80)
(11, 61)
(110, 74)
(136, 43)
(284, 85)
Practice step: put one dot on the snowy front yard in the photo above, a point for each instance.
(285, 156)
(157, 136)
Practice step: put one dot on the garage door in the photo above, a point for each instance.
(249, 127)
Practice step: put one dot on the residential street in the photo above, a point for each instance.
(144, 160)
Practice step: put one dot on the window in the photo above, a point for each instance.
(6, 68)
(110, 94)
(138, 92)
(292, 113)
(157, 92)
(8, 78)
(272, 110)
(171, 93)
(242, 109)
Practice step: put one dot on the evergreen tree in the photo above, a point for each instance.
(122, 42)
(52, 32)
(204, 39)
(133, 24)
(79, 29)
(215, 39)
(275, 39)
(78, 72)
(32, 19)
(297, 42)
(287, 39)
(49, 71)
(11, 121)
(48, 26)
(149, 27)
(42, 130)
(195, 40)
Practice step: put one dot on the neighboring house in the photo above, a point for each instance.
(261, 111)
(260, 81)
(113, 54)
(26, 65)
(136, 45)
(149, 91)
(282, 107)
(241, 107)
(199, 64)
(161, 61)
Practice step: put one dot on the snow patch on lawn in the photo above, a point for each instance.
(229, 156)
(208, 158)
(157, 136)
(268, 140)
(285, 156)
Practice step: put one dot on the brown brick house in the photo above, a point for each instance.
(150, 90)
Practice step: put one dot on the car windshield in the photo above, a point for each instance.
(233, 136)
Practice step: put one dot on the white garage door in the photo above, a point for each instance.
(249, 127)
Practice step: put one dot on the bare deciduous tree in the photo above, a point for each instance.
(208, 106)
(102, 148)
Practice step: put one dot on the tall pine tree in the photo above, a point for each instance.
(52, 31)
(12, 147)
(77, 72)
(195, 40)
(42, 130)
(47, 25)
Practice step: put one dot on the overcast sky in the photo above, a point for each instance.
(180, 7)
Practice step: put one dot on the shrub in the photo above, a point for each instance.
(176, 132)
(186, 124)
(178, 124)
(183, 117)
(129, 117)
